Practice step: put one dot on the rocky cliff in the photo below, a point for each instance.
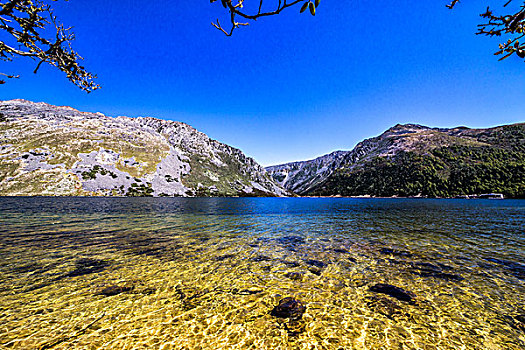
(50, 150)
(415, 160)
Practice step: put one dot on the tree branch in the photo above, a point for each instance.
(235, 8)
(510, 24)
(25, 21)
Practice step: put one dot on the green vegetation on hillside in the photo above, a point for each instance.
(207, 174)
(142, 190)
(97, 169)
(511, 137)
(443, 172)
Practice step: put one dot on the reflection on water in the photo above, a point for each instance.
(123, 273)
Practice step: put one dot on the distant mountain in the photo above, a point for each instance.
(415, 160)
(50, 150)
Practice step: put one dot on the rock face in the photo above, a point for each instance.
(50, 150)
(415, 160)
(301, 177)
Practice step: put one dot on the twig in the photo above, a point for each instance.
(235, 10)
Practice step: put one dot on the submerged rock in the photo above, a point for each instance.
(393, 291)
(260, 258)
(316, 263)
(291, 243)
(247, 291)
(85, 266)
(520, 322)
(316, 266)
(289, 308)
(290, 263)
(516, 269)
(395, 252)
(224, 257)
(114, 290)
(147, 291)
(291, 240)
(294, 276)
(315, 270)
(516, 321)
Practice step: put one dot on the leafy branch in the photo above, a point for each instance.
(511, 23)
(236, 9)
(24, 22)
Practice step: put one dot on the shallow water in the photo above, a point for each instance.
(174, 273)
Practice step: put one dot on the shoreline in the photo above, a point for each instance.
(338, 196)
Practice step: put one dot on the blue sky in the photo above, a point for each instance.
(288, 87)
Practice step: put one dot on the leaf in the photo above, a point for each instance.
(317, 3)
(304, 7)
(312, 8)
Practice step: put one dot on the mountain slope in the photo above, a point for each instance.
(300, 177)
(50, 150)
(413, 160)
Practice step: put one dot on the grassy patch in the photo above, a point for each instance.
(8, 169)
(66, 143)
(41, 182)
(97, 169)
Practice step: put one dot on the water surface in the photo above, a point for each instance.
(205, 273)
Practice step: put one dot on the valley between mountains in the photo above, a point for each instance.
(59, 151)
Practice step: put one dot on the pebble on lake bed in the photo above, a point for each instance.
(289, 308)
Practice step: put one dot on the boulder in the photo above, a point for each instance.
(393, 291)
(289, 308)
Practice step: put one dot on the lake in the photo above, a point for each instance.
(211, 273)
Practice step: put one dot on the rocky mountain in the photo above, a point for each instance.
(415, 160)
(50, 150)
(301, 177)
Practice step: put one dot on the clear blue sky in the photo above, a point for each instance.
(289, 87)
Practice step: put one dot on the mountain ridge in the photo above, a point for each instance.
(311, 177)
(59, 150)
(93, 154)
